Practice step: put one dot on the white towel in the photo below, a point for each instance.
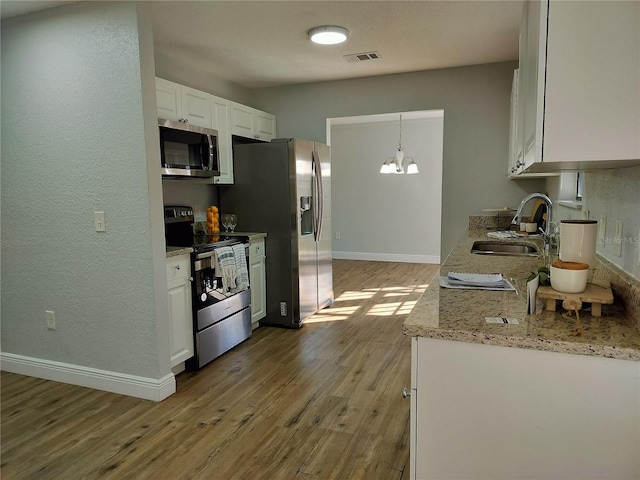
(242, 273)
(225, 265)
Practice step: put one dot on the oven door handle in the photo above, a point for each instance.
(203, 262)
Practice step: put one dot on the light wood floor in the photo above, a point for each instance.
(322, 402)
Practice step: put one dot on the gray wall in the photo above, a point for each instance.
(476, 102)
(79, 134)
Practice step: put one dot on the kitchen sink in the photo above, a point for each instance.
(518, 249)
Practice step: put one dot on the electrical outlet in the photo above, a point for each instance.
(101, 226)
(337, 235)
(617, 239)
(602, 229)
(51, 319)
(585, 214)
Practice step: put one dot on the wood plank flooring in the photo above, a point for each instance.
(322, 402)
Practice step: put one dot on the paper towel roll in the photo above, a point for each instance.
(578, 241)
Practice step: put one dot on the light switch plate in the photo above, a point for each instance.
(602, 229)
(617, 239)
(100, 222)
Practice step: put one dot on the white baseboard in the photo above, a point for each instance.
(134, 386)
(387, 257)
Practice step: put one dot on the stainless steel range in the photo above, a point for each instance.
(221, 309)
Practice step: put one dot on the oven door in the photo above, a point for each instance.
(188, 151)
(210, 303)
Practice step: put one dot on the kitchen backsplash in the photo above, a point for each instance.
(616, 195)
(190, 193)
(489, 221)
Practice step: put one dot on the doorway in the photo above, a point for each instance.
(381, 217)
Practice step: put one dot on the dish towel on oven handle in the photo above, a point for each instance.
(225, 265)
(242, 272)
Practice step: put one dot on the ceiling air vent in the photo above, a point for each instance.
(361, 57)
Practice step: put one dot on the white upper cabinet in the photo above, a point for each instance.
(182, 104)
(264, 125)
(579, 85)
(196, 107)
(168, 100)
(242, 120)
(252, 123)
(185, 104)
(221, 119)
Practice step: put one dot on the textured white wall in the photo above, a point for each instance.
(387, 217)
(77, 108)
(476, 103)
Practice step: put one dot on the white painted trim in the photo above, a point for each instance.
(115, 382)
(387, 257)
(381, 117)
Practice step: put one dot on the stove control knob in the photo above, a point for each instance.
(203, 297)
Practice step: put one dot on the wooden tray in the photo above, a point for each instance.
(594, 294)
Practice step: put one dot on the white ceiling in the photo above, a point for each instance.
(264, 43)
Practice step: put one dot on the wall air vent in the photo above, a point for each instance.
(361, 57)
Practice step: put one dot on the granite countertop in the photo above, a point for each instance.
(459, 315)
(175, 251)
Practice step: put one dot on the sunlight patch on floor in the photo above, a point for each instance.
(387, 309)
(333, 314)
(347, 296)
(392, 308)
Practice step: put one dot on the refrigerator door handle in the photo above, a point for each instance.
(317, 196)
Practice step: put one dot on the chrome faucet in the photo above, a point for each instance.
(548, 202)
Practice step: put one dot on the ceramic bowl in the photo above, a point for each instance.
(569, 277)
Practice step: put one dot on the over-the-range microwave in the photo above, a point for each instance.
(187, 150)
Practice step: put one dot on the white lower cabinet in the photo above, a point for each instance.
(483, 411)
(257, 277)
(180, 311)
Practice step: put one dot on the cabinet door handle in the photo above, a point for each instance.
(406, 392)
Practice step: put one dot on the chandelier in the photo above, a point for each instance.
(399, 164)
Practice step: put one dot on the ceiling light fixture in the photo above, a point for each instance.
(328, 35)
(399, 164)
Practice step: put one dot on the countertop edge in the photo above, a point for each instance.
(176, 251)
(619, 353)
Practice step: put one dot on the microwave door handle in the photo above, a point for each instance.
(211, 151)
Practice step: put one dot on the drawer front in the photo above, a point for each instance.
(256, 249)
(178, 267)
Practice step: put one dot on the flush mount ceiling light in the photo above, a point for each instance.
(328, 35)
(399, 163)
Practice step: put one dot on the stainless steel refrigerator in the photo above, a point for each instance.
(283, 188)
